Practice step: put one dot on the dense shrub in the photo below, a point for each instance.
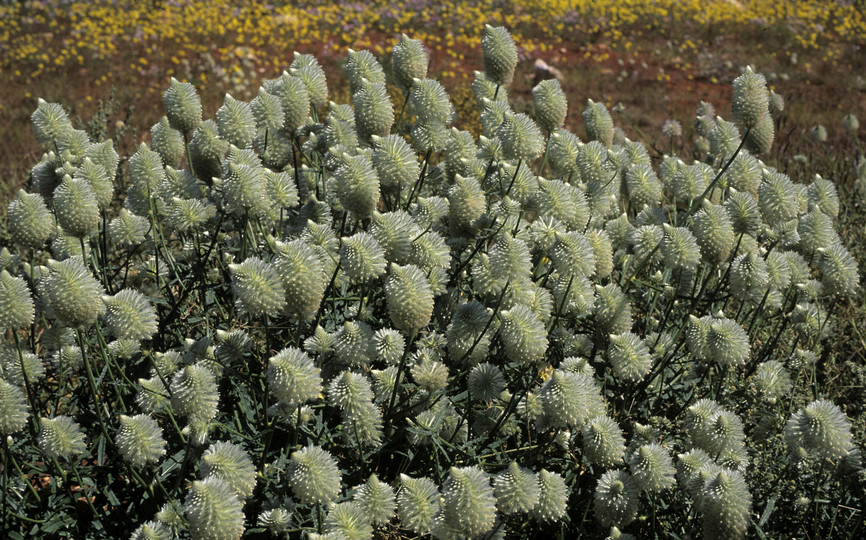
(357, 319)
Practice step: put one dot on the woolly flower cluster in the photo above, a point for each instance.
(328, 305)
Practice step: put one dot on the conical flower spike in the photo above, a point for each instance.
(130, 315)
(410, 62)
(60, 437)
(314, 475)
(468, 503)
(139, 439)
(16, 304)
(13, 409)
(231, 464)
(516, 489)
(500, 55)
(182, 106)
(409, 298)
(213, 511)
(71, 294)
(30, 222)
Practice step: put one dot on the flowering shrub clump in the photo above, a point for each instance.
(357, 319)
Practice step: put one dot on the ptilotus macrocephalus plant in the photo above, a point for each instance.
(354, 319)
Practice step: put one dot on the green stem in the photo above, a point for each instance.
(97, 402)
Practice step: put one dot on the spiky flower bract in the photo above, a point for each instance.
(516, 489)
(726, 504)
(603, 442)
(523, 335)
(598, 123)
(357, 186)
(714, 232)
(572, 253)
(410, 62)
(430, 375)
(152, 530)
(644, 186)
(60, 437)
(231, 464)
(267, 110)
(16, 305)
(377, 500)
(500, 55)
(374, 113)
(395, 163)
(771, 380)
(207, 150)
(429, 102)
(294, 99)
(777, 197)
(629, 356)
(361, 257)
(616, 501)
(130, 315)
(487, 91)
(839, 271)
(293, 378)
(563, 149)
(182, 106)
(303, 278)
(521, 138)
(244, 190)
(352, 394)
(354, 344)
(13, 409)
(417, 503)
(467, 340)
(727, 343)
(71, 294)
(236, 122)
(167, 142)
(307, 68)
(349, 521)
(213, 511)
(363, 65)
(509, 259)
(821, 429)
(468, 502)
(750, 101)
(139, 439)
(128, 229)
(409, 298)
(748, 273)
(485, 382)
(19, 368)
(389, 344)
(552, 496)
(257, 288)
(550, 104)
(680, 248)
(99, 181)
(194, 393)
(651, 468)
(570, 399)
(276, 521)
(50, 122)
(314, 475)
(30, 222)
(612, 309)
(467, 204)
(76, 208)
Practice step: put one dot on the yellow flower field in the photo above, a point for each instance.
(76, 52)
